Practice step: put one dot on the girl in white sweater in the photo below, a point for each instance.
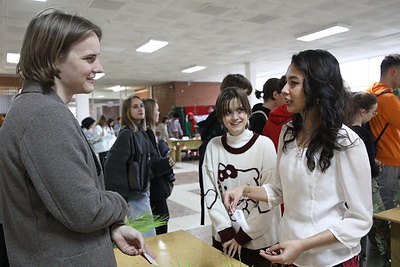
(239, 157)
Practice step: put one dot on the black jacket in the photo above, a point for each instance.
(158, 185)
(209, 128)
(257, 119)
(116, 174)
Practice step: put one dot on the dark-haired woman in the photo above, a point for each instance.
(322, 174)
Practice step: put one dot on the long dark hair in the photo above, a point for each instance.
(326, 94)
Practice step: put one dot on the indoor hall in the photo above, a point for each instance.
(255, 38)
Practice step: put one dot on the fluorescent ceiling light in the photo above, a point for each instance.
(41, 1)
(117, 88)
(99, 75)
(327, 31)
(151, 46)
(193, 69)
(12, 58)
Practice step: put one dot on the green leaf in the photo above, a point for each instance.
(147, 222)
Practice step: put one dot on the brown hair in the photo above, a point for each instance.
(126, 119)
(149, 106)
(50, 35)
(226, 96)
(238, 81)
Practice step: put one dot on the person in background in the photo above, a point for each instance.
(160, 186)
(53, 205)
(103, 139)
(224, 169)
(174, 126)
(272, 98)
(131, 141)
(388, 147)
(191, 125)
(360, 109)
(110, 124)
(117, 126)
(162, 128)
(277, 117)
(87, 128)
(212, 127)
(322, 172)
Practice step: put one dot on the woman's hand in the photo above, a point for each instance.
(231, 247)
(231, 197)
(171, 161)
(284, 253)
(130, 241)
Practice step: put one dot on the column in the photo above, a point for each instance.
(82, 106)
(251, 74)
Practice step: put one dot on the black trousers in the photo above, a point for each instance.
(3, 251)
(102, 158)
(160, 207)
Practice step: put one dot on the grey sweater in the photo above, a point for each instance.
(54, 207)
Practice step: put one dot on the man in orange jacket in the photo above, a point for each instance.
(388, 147)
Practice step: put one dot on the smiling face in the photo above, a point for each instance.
(137, 112)
(293, 92)
(235, 118)
(78, 68)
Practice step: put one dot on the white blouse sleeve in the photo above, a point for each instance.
(353, 173)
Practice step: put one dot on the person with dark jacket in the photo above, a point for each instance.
(133, 142)
(160, 186)
(272, 97)
(212, 127)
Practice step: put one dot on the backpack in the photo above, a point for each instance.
(367, 126)
(259, 112)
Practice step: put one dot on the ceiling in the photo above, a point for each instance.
(222, 35)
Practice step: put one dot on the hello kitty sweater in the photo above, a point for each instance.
(236, 160)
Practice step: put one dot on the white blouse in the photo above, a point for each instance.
(339, 200)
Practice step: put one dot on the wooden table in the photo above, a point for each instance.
(178, 145)
(179, 249)
(393, 215)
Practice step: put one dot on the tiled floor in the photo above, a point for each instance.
(184, 202)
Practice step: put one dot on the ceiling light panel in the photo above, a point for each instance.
(325, 32)
(151, 46)
(193, 69)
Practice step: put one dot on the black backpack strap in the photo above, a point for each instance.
(380, 135)
(386, 125)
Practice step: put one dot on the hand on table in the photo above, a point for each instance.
(130, 241)
(231, 247)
